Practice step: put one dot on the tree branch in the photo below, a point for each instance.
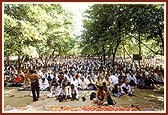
(146, 46)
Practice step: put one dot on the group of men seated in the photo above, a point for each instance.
(68, 87)
(66, 78)
(64, 86)
(103, 96)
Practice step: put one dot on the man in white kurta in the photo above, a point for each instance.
(43, 84)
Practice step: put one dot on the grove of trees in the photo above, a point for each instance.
(46, 28)
(109, 30)
(112, 29)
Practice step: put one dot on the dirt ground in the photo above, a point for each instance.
(144, 99)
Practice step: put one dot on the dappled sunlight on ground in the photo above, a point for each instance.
(144, 100)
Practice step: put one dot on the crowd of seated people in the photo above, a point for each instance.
(64, 78)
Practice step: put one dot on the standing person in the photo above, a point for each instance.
(34, 84)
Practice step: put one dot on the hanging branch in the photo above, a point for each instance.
(147, 46)
(129, 55)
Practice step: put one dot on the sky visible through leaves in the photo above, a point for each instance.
(77, 9)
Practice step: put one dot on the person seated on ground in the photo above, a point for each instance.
(132, 79)
(63, 93)
(26, 83)
(75, 82)
(74, 94)
(54, 90)
(98, 82)
(53, 82)
(65, 81)
(121, 80)
(69, 77)
(104, 86)
(43, 84)
(77, 79)
(101, 97)
(83, 85)
(40, 73)
(107, 82)
(17, 82)
(153, 75)
(126, 88)
(141, 83)
(21, 74)
(90, 83)
(159, 78)
(60, 77)
(18, 79)
(116, 91)
(95, 75)
(5, 80)
(51, 75)
(149, 83)
(113, 80)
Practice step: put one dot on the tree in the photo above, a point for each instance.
(17, 31)
(104, 26)
(46, 27)
(107, 26)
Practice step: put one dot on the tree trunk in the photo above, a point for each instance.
(145, 45)
(118, 41)
(114, 53)
(162, 40)
(19, 64)
(139, 61)
(104, 55)
(124, 50)
(113, 59)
